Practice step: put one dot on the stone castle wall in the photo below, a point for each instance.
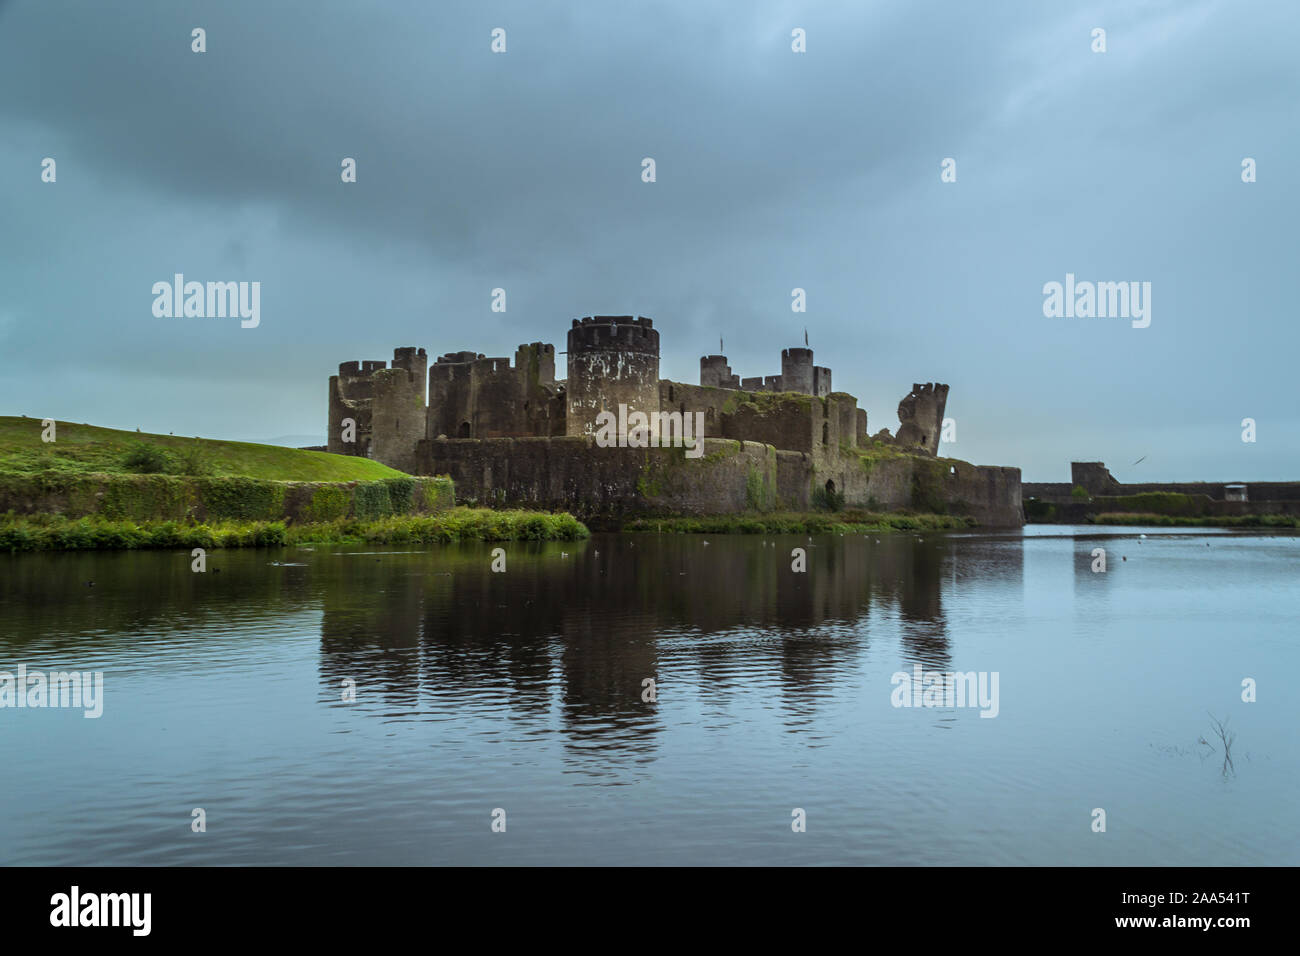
(473, 396)
(572, 473)
(732, 477)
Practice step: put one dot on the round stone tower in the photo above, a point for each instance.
(797, 371)
(613, 360)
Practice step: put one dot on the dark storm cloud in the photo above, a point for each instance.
(775, 170)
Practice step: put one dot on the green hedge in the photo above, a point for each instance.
(176, 497)
(58, 533)
(245, 499)
(1200, 521)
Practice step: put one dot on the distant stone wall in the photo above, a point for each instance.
(1054, 501)
(1258, 491)
(1093, 477)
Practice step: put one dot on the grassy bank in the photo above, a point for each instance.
(226, 498)
(86, 449)
(58, 533)
(842, 522)
(1203, 521)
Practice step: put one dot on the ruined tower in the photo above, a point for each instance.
(613, 360)
(350, 394)
(385, 406)
(920, 417)
(715, 372)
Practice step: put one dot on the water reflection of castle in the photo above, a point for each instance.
(581, 633)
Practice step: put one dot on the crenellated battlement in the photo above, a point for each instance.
(612, 360)
(376, 410)
(409, 357)
(621, 333)
(614, 320)
(460, 364)
(798, 374)
(458, 358)
(360, 369)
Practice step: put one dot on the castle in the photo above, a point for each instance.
(512, 434)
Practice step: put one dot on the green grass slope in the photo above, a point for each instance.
(79, 449)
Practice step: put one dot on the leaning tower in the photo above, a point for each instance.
(613, 360)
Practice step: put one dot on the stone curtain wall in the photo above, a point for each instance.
(574, 474)
(732, 477)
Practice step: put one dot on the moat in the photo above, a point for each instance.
(524, 690)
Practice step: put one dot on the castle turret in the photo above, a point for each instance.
(821, 381)
(797, 371)
(397, 419)
(613, 360)
(350, 394)
(716, 373)
(416, 363)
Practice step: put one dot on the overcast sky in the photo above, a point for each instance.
(775, 170)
